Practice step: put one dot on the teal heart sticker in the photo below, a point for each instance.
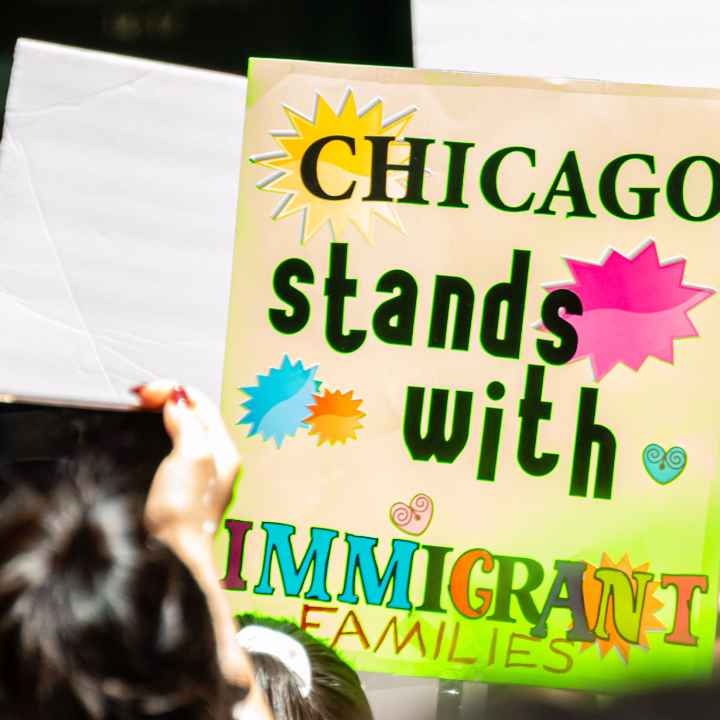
(664, 467)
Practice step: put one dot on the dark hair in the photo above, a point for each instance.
(97, 619)
(336, 692)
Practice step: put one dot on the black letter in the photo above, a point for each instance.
(586, 434)
(575, 190)
(490, 442)
(489, 179)
(532, 410)
(285, 321)
(608, 189)
(337, 288)
(559, 300)
(434, 442)
(513, 293)
(309, 162)
(415, 169)
(676, 187)
(456, 174)
(447, 286)
(401, 307)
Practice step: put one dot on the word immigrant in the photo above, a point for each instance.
(622, 597)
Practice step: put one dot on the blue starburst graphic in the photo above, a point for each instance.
(279, 402)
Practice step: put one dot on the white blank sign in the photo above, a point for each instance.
(118, 190)
(647, 41)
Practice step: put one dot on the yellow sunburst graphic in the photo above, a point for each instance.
(335, 417)
(338, 166)
(592, 592)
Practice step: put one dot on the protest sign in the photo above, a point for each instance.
(471, 371)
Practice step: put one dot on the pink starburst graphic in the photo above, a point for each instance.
(633, 308)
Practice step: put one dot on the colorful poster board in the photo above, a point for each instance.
(471, 368)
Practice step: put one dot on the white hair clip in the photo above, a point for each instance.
(291, 653)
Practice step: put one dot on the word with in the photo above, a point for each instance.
(532, 410)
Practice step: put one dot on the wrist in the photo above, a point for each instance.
(193, 546)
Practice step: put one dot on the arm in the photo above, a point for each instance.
(188, 497)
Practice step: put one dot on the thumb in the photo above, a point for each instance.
(185, 429)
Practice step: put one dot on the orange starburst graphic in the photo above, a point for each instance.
(593, 594)
(341, 165)
(335, 417)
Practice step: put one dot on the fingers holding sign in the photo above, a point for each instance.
(194, 484)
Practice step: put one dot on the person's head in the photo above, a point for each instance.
(303, 678)
(98, 621)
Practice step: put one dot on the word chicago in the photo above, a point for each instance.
(568, 182)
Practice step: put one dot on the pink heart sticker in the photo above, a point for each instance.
(413, 519)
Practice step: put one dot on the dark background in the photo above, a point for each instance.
(216, 34)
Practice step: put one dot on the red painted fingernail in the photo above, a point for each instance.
(138, 389)
(179, 395)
